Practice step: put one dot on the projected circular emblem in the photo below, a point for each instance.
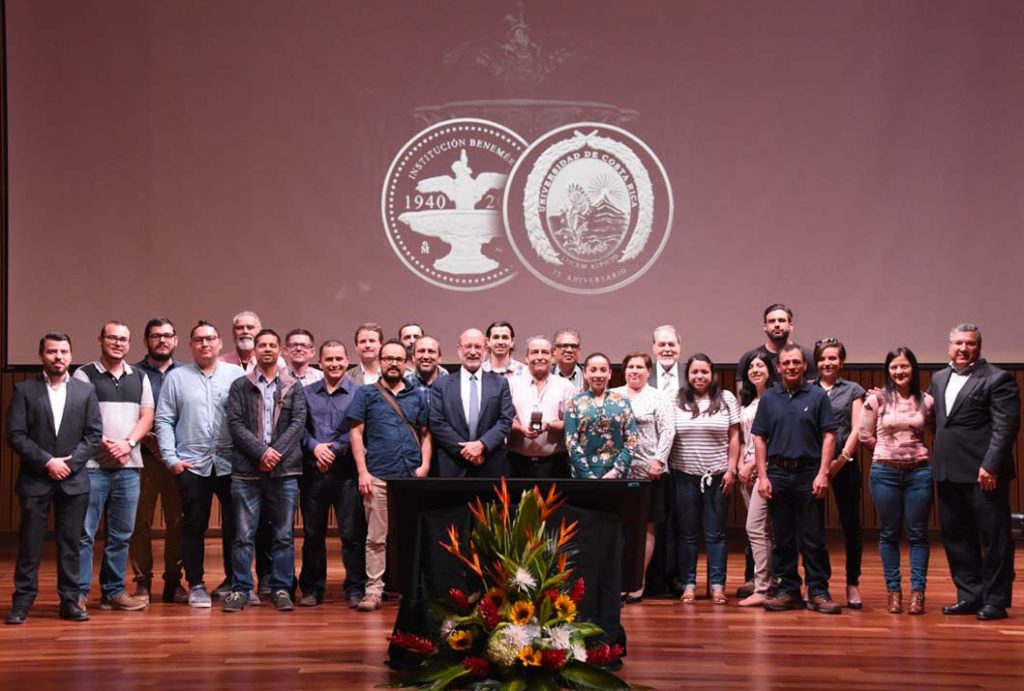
(441, 203)
(588, 208)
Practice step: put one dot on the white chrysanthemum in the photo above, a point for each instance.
(560, 636)
(579, 652)
(447, 626)
(522, 635)
(522, 580)
(501, 649)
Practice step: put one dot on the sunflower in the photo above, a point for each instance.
(521, 612)
(497, 596)
(565, 608)
(530, 657)
(460, 640)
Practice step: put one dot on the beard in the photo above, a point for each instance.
(159, 357)
(245, 343)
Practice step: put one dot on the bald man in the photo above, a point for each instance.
(471, 415)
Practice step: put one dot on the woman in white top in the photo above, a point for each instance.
(655, 429)
(757, 375)
(704, 458)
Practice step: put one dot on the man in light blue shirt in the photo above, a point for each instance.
(192, 431)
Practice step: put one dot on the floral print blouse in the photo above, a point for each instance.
(654, 413)
(600, 437)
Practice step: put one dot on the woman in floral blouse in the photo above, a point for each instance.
(655, 424)
(600, 432)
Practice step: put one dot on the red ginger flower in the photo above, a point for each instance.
(489, 613)
(604, 654)
(459, 599)
(579, 589)
(552, 595)
(552, 659)
(477, 666)
(413, 643)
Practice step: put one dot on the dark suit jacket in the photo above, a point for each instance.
(448, 425)
(980, 429)
(30, 433)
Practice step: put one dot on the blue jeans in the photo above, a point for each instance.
(278, 496)
(117, 491)
(694, 510)
(902, 497)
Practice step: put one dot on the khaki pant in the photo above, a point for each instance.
(376, 506)
(759, 532)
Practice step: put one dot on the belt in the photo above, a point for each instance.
(912, 464)
(793, 463)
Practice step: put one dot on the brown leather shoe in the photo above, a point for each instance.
(895, 605)
(784, 601)
(916, 602)
(825, 604)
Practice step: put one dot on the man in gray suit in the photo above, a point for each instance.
(977, 417)
(54, 426)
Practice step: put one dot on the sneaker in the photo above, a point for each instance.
(222, 590)
(369, 603)
(825, 604)
(784, 601)
(199, 598)
(309, 600)
(124, 602)
(142, 593)
(254, 599)
(236, 602)
(282, 601)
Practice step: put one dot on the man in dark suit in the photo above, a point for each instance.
(54, 425)
(471, 414)
(977, 417)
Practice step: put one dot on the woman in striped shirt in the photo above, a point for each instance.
(704, 457)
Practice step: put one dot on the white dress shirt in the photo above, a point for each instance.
(58, 398)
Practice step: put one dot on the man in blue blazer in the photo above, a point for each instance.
(977, 418)
(471, 415)
(54, 426)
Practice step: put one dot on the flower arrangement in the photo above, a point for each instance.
(520, 630)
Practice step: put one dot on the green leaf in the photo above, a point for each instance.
(592, 677)
(445, 676)
(588, 629)
(516, 684)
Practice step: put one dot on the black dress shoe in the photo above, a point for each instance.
(18, 615)
(962, 607)
(72, 612)
(992, 612)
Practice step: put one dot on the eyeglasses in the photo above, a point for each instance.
(831, 340)
(116, 339)
(205, 339)
(395, 360)
(301, 346)
(161, 337)
(568, 346)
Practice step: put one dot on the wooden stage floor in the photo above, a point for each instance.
(671, 646)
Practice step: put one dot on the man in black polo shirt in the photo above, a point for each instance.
(794, 442)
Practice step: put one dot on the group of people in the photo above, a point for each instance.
(270, 434)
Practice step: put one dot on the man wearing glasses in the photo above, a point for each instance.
(390, 438)
(299, 351)
(567, 357)
(126, 408)
(192, 431)
(156, 481)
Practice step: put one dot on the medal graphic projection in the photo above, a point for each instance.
(588, 208)
(441, 203)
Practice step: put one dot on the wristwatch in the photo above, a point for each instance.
(131, 443)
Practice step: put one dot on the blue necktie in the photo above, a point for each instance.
(474, 407)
